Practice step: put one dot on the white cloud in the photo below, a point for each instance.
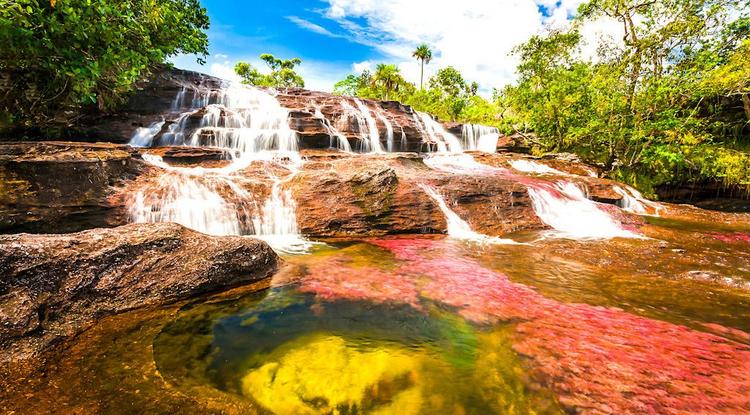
(475, 36)
(308, 25)
(220, 56)
(359, 67)
(223, 71)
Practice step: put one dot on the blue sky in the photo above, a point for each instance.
(338, 37)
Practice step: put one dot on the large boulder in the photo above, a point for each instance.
(53, 287)
(63, 186)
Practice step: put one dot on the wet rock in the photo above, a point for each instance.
(380, 194)
(55, 286)
(62, 185)
(192, 156)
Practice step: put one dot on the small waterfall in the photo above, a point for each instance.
(388, 131)
(437, 134)
(471, 134)
(634, 202)
(565, 208)
(342, 143)
(277, 223)
(143, 137)
(179, 100)
(457, 227)
(190, 197)
(527, 166)
(247, 120)
(562, 206)
(372, 141)
(488, 143)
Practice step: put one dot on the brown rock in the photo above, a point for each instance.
(55, 286)
(62, 185)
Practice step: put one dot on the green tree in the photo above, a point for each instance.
(388, 79)
(282, 75)
(423, 54)
(57, 57)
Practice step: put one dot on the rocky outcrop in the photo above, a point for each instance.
(346, 195)
(62, 185)
(53, 287)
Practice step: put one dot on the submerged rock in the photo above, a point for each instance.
(55, 286)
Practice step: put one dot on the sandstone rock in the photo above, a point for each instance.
(55, 286)
(377, 195)
(62, 185)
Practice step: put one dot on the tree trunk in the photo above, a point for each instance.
(421, 77)
(746, 105)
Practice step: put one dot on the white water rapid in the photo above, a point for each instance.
(457, 227)
(634, 202)
(565, 208)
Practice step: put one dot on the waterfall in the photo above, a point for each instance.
(255, 126)
(565, 208)
(191, 197)
(471, 134)
(143, 137)
(372, 141)
(179, 100)
(457, 227)
(488, 143)
(634, 202)
(388, 130)
(342, 143)
(445, 141)
(527, 166)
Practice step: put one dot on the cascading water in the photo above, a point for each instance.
(193, 198)
(480, 138)
(371, 143)
(527, 166)
(565, 208)
(445, 141)
(457, 227)
(388, 131)
(144, 136)
(562, 206)
(255, 127)
(342, 143)
(634, 202)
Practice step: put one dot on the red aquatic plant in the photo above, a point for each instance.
(731, 237)
(597, 359)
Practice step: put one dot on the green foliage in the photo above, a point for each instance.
(282, 73)
(449, 96)
(56, 57)
(659, 107)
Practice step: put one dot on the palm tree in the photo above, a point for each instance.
(424, 54)
(388, 77)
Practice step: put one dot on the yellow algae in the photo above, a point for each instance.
(327, 375)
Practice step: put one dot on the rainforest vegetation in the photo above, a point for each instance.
(57, 58)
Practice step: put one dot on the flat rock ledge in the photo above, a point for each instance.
(53, 287)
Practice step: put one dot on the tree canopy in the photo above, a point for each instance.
(57, 57)
(666, 103)
(282, 75)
